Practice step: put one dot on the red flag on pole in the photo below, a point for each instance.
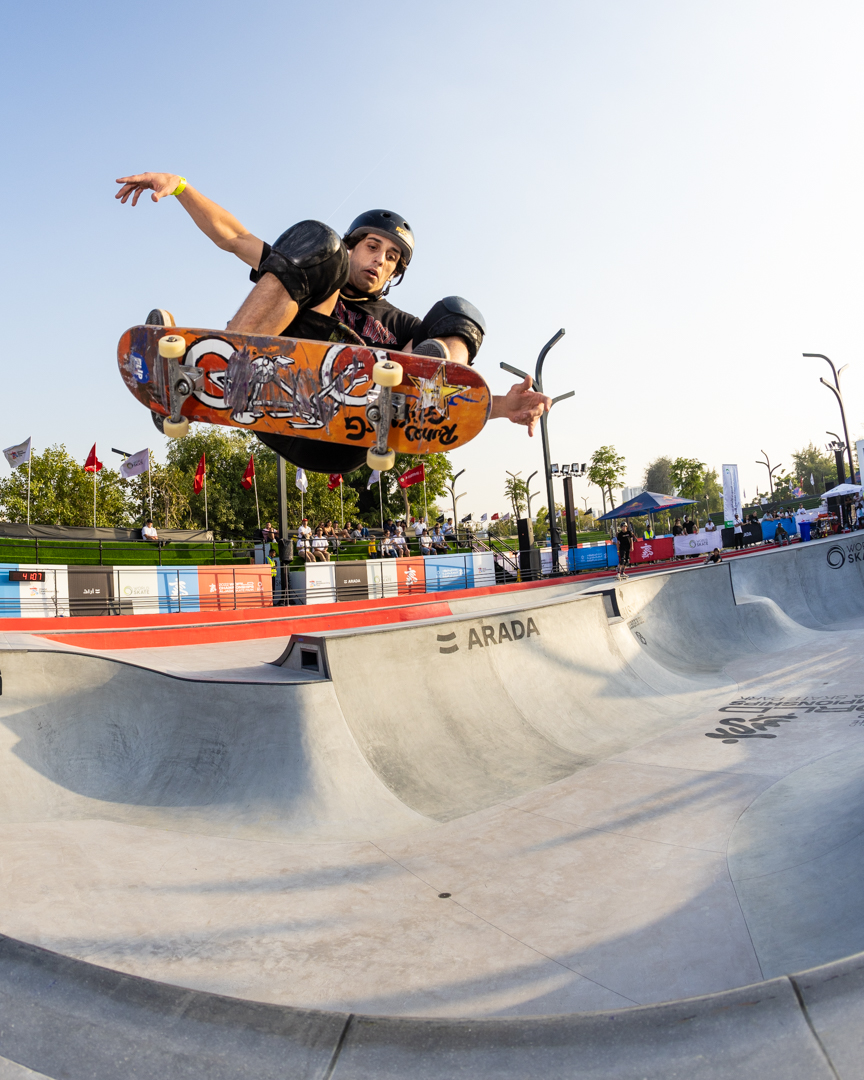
(334, 481)
(249, 475)
(413, 476)
(199, 475)
(494, 517)
(93, 464)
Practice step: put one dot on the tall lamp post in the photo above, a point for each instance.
(529, 493)
(771, 471)
(835, 390)
(537, 383)
(455, 498)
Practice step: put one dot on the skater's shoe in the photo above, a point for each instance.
(160, 317)
(433, 347)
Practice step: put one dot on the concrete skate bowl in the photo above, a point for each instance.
(551, 873)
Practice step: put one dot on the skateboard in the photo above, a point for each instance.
(387, 401)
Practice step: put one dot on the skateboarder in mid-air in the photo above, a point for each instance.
(316, 285)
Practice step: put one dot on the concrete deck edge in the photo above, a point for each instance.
(69, 1019)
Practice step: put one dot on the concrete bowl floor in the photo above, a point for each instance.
(615, 809)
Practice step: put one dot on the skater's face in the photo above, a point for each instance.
(372, 262)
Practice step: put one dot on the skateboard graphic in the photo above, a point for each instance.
(387, 401)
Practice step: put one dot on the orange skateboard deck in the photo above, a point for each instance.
(307, 389)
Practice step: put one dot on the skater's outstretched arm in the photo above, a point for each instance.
(521, 405)
(222, 228)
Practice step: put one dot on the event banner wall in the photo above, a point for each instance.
(731, 494)
(596, 557)
(697, 543)
(382, 578)
(769, 528)
(178, 588)
(750, 533)
(43, 599)
(411, 574)
(352, 580)
(652, 550)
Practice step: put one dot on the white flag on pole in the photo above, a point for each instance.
(135, 464)
(374, 478)
(484, 517)
(301, 481)
(506, 517)
(18, 455)
(812, 482)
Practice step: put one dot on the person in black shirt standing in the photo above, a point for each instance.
(316, 285)
(625, 544)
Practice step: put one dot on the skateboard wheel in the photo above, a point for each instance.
(172, 346)
(160, 317)
(387, 373)
(178, 430)
(381, 462)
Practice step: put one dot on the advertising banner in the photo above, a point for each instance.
(445, 572)
(411, 575)
(750, 534)
(10, 594)
(484, 569)
(652, 550)
(769, 528)
(137, 590)
(731, 494)
(320, 583)
(382, 578)
(697, 544)
(224, 588)
(178, 588)
(91, 590)
(352, 580)
(592, 558)
(48, 598)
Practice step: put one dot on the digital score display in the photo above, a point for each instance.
(26, 575)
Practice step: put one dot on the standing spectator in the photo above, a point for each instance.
(710, 526)
(691, 528)
(320, 546)
(677, 528)
(738, 533)
(419, 527)
(625, 543)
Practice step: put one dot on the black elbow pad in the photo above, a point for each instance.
(454, 316)
(310, 261)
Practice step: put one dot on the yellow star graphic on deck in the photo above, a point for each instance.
(436, 392)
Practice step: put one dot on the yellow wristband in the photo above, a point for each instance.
(181, 187)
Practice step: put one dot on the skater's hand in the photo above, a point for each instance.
(160, 183)
(522, 405)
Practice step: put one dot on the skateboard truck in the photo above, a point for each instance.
(385, 374)
(182, 380)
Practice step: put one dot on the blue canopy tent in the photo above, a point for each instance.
(649, 502)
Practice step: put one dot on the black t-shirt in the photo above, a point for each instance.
(377, 322)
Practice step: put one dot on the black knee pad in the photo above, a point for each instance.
(454, 316)
(315, 455)
(310, 260)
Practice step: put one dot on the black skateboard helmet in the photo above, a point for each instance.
(389, 224)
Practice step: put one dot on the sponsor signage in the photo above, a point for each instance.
(751, 534)
(652, 550)
(697, 543)
(840, 556)
(489, 634)
(91, 590)
(352, 580)
(731, 494)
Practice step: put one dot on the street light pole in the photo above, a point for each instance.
(455, 498)
(528, 493)
(835, 390)
(771, 471)
(537, 382)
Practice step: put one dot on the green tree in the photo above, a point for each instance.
(606, 471)
(62, 493)
(658, 476)
(810, 460)
(231, 508)
(438, 472)
(516, 490)
(713, 491)
(688, 477)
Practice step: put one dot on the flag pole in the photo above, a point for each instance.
(150, 481)
(341, 503)
(206, 524)
(381, 500)
(94, 496)
(28, 484)
(255, 482)
(425, 504)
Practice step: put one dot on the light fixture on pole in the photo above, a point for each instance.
(771, 470)
(537, 383)
(455, 498)
(836, 391)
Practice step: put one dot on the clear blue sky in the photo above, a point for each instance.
(678, 184)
